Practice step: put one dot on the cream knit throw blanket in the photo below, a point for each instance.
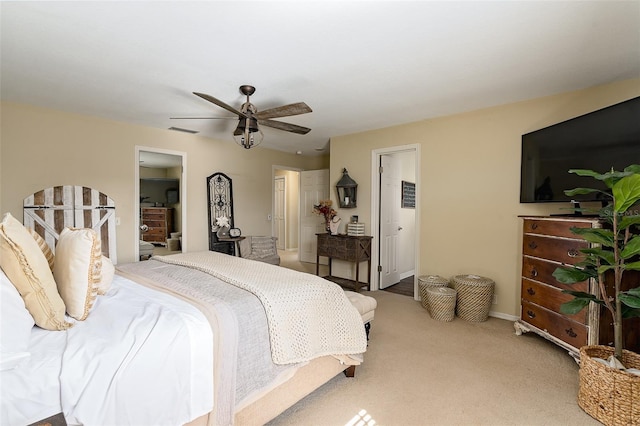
(308, 316)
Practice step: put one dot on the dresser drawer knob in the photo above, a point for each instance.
(570, 332)
(531, 314)
(531, 291)
(533, 245)
(573, 252)
(534, 226)
(534, 273)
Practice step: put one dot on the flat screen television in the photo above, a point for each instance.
(600, 140)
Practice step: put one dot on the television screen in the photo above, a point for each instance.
(601, 140)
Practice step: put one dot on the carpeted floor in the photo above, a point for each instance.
(418, 371)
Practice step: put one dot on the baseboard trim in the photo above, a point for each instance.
(503, 316)
(407, 274)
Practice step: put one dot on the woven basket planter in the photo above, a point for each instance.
(442, 303)
(609, 395)
(428, 281)
(475, 295)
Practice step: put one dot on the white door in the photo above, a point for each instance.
(279, 214)
(314, 186)
(389, 220)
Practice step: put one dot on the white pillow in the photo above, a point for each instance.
(108, 270)
(77, 269)
(28, 270)
(15, 325)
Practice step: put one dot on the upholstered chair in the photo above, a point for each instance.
(262, 249)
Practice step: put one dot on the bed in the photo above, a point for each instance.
(194, 338)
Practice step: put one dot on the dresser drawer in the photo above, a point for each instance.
(161, 216)
(565, 329)
(559, 228)
(550, 298)
(558, 249)
(542, 270)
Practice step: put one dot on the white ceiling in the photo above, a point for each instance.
(359, 65)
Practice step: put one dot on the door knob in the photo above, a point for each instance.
(399, 228)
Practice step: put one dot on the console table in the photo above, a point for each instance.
(346, 247)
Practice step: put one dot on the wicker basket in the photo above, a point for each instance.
(427, 281)
(609, 395)
(475, 295)
(442, 303)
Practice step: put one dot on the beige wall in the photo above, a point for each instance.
(42, 148)
(470, 177)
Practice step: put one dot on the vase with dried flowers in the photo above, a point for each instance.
(223, 225)
(324, 209)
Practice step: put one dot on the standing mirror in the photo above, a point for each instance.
(220, 201)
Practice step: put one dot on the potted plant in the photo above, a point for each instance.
(615, 249)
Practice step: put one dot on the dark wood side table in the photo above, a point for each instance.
(346, 247)
(235, 241)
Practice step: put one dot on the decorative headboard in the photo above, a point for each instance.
(50, 210)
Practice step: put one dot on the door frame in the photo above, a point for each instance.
(375, 212)
(136, 195)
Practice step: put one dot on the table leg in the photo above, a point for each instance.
(317, 265)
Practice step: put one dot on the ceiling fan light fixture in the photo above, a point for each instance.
(248, 136)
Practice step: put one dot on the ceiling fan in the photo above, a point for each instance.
(248, 134)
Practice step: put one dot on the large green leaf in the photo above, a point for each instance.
(632, 248)
(574, 306)
(586, 172)
(628, 312)
(571, 275)
(595, 235)
(609, 178)
(630, 300)
(627, 221)
(604, 268)
(634, 291)
(626, 192)
(606, 255)
(634, 168)
(633, 266)
(584, 191)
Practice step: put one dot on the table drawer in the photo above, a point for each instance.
(558, 228)
(567, 330)
(542, 270)
(550, 298)
(558, 249)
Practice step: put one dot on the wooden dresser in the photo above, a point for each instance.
(160, 223)
(548, 243)
(346, 247)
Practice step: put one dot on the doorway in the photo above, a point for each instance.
(285, 221)
(395, 222)
(160, 201)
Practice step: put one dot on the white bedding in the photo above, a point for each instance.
(157, 333)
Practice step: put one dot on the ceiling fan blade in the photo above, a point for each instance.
(288, 127)
(220, 104)
(284, 111)
(203, 118)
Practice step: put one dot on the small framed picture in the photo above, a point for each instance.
(408, 195)
(354, 218)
